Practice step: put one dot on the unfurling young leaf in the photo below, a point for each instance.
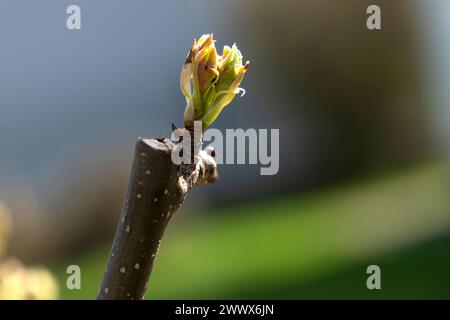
(210, 81)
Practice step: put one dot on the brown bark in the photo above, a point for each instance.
(157, 188)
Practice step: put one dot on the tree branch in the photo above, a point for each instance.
(157, 188)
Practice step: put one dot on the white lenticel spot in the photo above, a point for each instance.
(166, 191)
(139, 196)
(136, 266)
(122, 270)
(106, 290)
(127, 229)
(148, 172)
(155, 200)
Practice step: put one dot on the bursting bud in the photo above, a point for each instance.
(210, 81)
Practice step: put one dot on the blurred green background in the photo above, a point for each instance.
(364, 123)
(314, 246)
